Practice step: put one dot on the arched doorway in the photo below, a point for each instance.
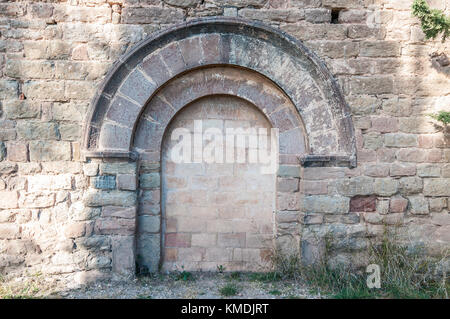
(211, 57)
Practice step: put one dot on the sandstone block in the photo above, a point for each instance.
(94, 198)
(380, 49)
(326, 204)
(115, 226)
(9, 231)
(436, 187)
(16, 109)
(381, 84)
(410, 185)
(8, 199)
(403, 170)
(117, 168)
(123, 255)
(398, 204)
(360, 185)
(151, 14)
(319, 15)
(400, 140)
(418, 205)
(103, 182)
(385, 186)
(17, 152)
(363, 203)
(428, 170)
(46, 151)
(151, 180)
(289, 171)
(149, 224)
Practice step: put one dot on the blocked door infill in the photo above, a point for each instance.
(216, 214)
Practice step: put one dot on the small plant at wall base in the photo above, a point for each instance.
(433, 21)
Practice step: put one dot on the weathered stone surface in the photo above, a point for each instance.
(436, 187)
(9, 231)
(418, 205)
(398, 204)
(8, 199)
(363, 204)
(149, 224)
(20, 109)
(123, 255)
(318, 15)
(385, 186)
(371, 85)
(360, 185)
(410, 185)
(151, 180)
(380, 49)
(103, 182)
(49, 151)
(109, 198)
(17, 152)
(38, 131)
(50, 182)
(152, 14)
(115, 226)
(402, 169)
(117, 168)
(428, 170)
(326, 204)
(126, 182)
(400, 140)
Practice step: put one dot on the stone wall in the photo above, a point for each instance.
(62, 215)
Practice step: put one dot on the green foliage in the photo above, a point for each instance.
(235, 275)
(442, 116)
(433, 21)
(221, 268)
(404, 274)
(184, 275)
(229, 290)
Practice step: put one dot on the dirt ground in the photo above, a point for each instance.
(187, 286)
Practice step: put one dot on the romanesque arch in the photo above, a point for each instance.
(263, 66)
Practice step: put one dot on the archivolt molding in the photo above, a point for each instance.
(139, 75)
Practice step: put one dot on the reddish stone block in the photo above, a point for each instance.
(154, 67)
(172, 57)
(426, 141)
(434, 156)
(178, 240)
(159, 110)
(384, 124)
(398, 204)
(137, 87)
(115, 226)
(211, 48)
(191, 51)
(363, 203)
(284, 120)
(117, 114)
(17, 152)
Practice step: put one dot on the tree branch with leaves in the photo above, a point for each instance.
(433, 21)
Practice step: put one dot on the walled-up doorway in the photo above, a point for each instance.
(218, 211)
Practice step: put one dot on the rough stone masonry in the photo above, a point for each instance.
(74, 216)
